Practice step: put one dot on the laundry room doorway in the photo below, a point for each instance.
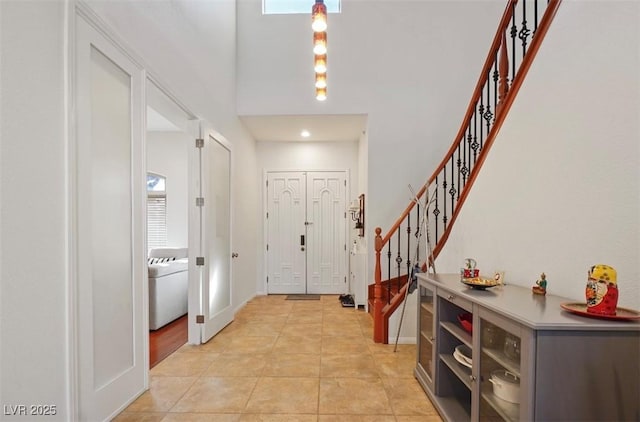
(306, 232)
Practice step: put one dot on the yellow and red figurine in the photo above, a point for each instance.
(602, 290)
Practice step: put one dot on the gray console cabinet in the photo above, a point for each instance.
(571, 367)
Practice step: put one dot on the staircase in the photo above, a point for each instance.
(520, 33)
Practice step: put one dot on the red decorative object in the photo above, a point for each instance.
(602, 290)
(622, 314)
(470, 272)
(466, 320)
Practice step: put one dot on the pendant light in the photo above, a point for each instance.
(319, 26)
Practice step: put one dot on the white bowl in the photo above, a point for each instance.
(463, 354)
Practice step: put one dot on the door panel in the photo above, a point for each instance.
(214, 237)
(326, 231)
(285, 224)
(306, 232)
(112, 345)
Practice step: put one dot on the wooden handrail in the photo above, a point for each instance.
(497, 58)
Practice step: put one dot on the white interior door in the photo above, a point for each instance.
(286, 213)
(210, 249)
(112, 334)
(306, 232)
(326, 233)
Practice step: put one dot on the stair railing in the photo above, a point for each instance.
(520, 33)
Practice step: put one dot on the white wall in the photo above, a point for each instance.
(410, 65)
(301, 156)
(167, 154)
(560, 190)
(33, 209)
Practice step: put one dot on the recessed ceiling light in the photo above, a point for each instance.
(305, 134)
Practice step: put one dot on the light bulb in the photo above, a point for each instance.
(319, 16)
(319, 43)
(321, 80)
(320, 64)
(321, 94)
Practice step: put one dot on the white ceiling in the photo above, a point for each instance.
(325, 128)
(285, 128)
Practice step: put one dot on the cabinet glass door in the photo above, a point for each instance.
(425, 352)
(500, 373)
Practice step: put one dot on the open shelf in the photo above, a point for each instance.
(508, 411)
(499, 357)
(462, 372)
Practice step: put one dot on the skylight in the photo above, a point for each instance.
(281, 7)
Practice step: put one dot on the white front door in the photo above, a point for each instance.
(108, 207)
(306, 232)
(210, 248)
(326, 233)
(286, 244)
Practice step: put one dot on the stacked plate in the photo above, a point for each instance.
(463, 355)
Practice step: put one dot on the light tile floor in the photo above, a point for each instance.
(290, 361)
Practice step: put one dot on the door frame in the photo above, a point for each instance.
(265, 228)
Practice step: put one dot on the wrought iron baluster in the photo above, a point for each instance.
(452, 190)
(459, 164)
(535, 18)
(514, 32)
(398, 260)
(417, 233)
(444, 198)
(475, 144)
(488, 114)
(524, 31)
(436, 210)
(408, 242)
(389, 272)
(495, 84)
(464, 169)
(475, 136)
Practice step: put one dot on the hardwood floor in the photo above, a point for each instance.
(167, 340)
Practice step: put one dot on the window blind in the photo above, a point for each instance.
(156, 221)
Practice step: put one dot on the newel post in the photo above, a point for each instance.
(378, 304)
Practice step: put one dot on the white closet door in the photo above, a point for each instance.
(212, 243)
(112, 346)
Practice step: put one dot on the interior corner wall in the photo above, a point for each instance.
(167, 155)
(34, 341)
(560, 189)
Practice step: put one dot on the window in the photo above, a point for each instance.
(156, 211)
(281, 7)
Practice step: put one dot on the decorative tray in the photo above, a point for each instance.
(480, 283)
(581, 309)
